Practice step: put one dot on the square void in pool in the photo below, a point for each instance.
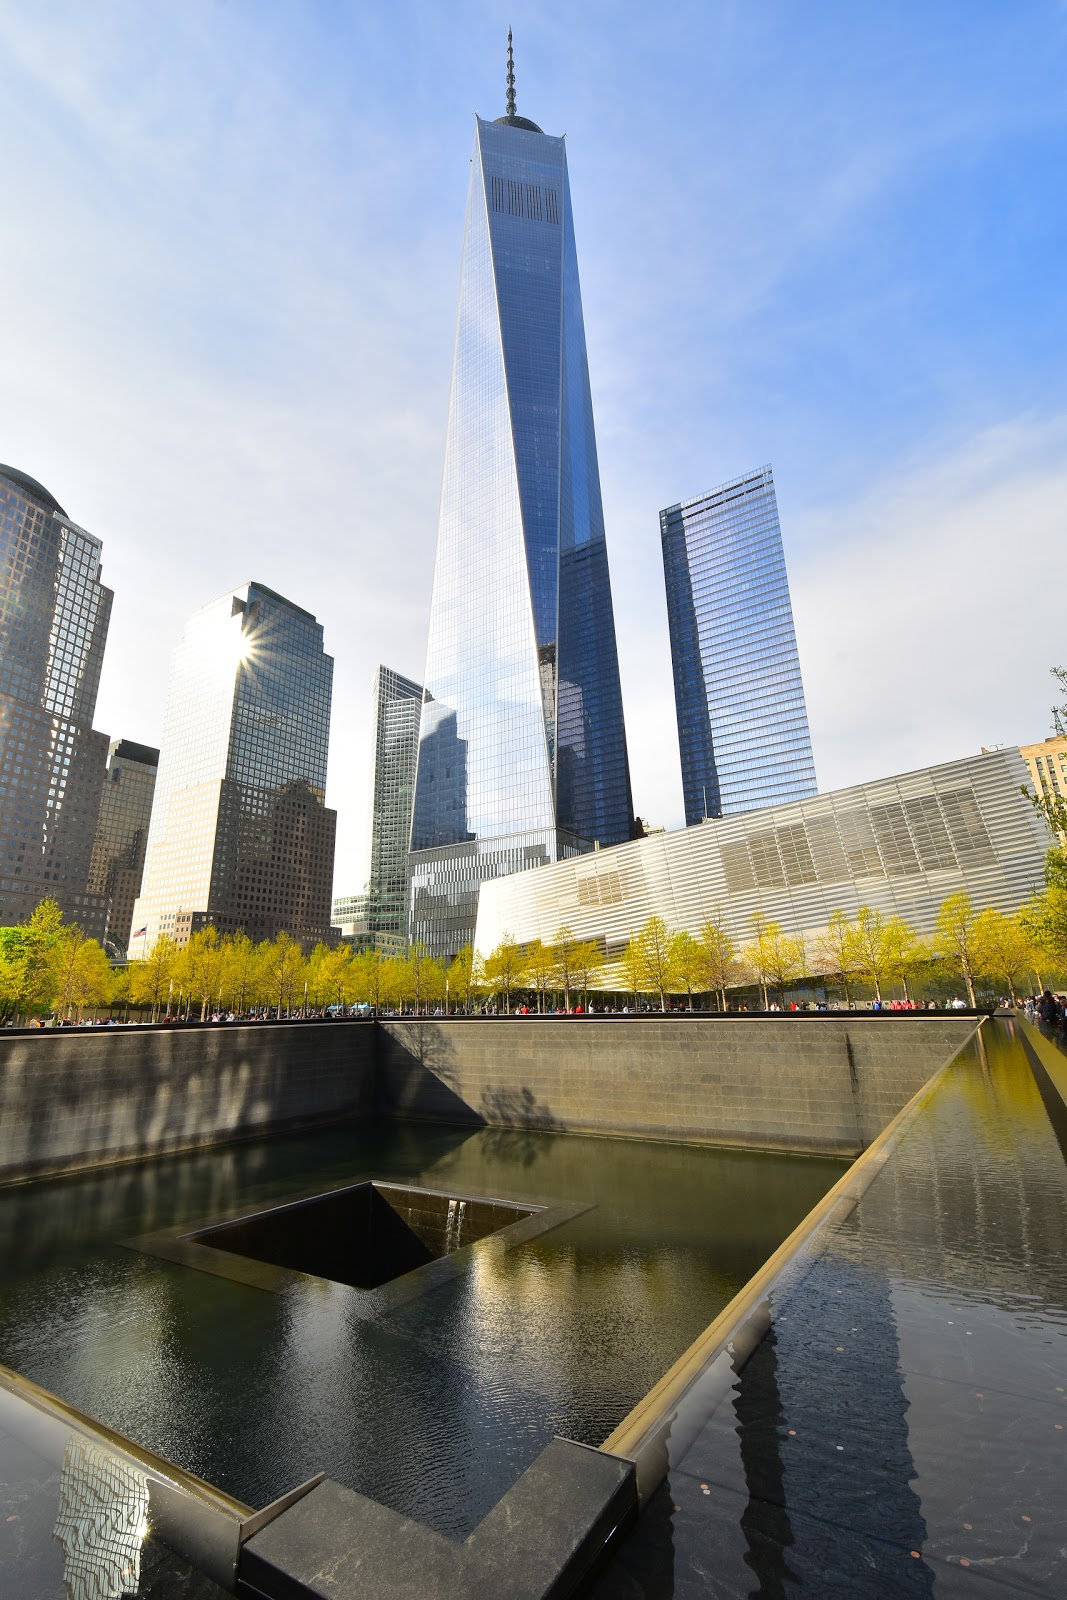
(365, 1235)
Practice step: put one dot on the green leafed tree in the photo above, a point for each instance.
(719, 957)
(586, 962)
(868, 950)
(687, 965)
(203, 967)
(1045, 917)
(505, 968)
(957, 940)
(540, 966)
(834, 953)
(1007, 948)
(464, 979)
(151, 981)
(654, 946)
(904, 952)
(283, 968)
(632, 962)
(242, 979)
(777, 958)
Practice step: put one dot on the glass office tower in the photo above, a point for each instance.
(122, 834)
(742, 721)
(397, 715)
(522, 753)
(54, 615)
(240, 838)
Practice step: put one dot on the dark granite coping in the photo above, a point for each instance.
(638, 1017)
(182, 1246)
(542, 1539)
(662, 1425)
(1048, 1063)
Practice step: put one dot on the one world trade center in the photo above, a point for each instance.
(522, 750)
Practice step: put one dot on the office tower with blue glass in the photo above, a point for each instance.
(240, 837)
(54, 615)
(522, 750)
(742, 721)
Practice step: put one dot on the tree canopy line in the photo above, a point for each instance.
(49, 967)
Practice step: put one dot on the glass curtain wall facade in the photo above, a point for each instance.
(54, 615)
(397, 717)
(522, 752)
(742, 720)
(122, 835)
(240, 836)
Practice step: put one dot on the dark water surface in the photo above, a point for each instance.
(902, 1429)
(434, 1406)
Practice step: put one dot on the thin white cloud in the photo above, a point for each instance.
(930, 610)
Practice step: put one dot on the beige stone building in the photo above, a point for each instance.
(1047, 764)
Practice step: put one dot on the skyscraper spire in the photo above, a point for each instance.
(511, 78)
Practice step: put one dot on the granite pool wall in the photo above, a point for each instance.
(823, 1083)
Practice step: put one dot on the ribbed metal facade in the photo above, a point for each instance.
(901, 845)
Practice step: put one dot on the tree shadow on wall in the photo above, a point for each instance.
(514, 1117)
(427, 1043)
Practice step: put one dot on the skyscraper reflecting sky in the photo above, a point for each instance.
(240, 837)
(522, 754)
(122, 833)
(397, 706)
(742, 720)
(54, 614)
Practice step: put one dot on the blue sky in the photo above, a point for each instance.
(832, 237)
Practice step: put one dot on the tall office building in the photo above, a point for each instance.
(742, 721)
(54, 614)
(397, 714)
(122, 834)
(522, 752)
(240, 836)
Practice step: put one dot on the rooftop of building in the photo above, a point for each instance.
(519, 122)
(128, 750)
(22, 480)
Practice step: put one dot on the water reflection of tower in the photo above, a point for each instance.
(441, 797)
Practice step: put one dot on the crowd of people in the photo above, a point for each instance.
(1046, 1008)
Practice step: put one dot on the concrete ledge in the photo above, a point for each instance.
(538, 1543)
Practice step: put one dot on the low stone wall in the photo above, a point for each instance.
(75, 1099)
(823, 1083)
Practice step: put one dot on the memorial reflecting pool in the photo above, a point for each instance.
(902, 1427)
(431, 1394)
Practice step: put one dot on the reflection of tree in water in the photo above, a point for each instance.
(516, 1147)
(518, 1108)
